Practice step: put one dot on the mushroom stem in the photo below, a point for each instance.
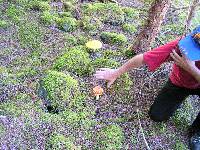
(97, 97)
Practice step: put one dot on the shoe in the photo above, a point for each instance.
(195, 141)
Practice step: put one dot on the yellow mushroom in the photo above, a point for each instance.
(94, 44)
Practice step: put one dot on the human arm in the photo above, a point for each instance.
(186, 64)
(112, 74)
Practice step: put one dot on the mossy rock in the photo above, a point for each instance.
(48, 18)
(58, 141)
(110, 137)
(183, 116)
(40, 5)
(105, 63)
(3, 24)
(62, 89)
(67, 24)
(129, 28)
(113, 38)
(76, 60)
(89, 23)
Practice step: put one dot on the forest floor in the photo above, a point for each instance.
(46, 77)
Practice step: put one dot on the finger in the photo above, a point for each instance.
(178, 57)
(110, 83)
(104, 69)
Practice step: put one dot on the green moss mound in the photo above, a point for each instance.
(48, 18)
(122, 93)
(40, 5)
(114, 14)
(67, 24)
(113, 38)
(90, 23)
(62, 89)
(129, 28)
(59, 141)
(110, 137)
(76, 60)
(105, 62)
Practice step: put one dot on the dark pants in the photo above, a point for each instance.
(168, 100)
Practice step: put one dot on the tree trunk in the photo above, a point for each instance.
(191, 13)
(152, 27)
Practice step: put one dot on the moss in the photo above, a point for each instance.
(90, 23)
(131, 12)
(105, 63)
(3, 24)
(82, 39)
(59, 141)
(183, 116)
(65, 14)
(111, 53)
(15, 13)
(110, 137)
(2, 130)
(40, 5)
(48, 18)
(114, 14)
(122, 93)
(128, 52)
(180, 145)
(113, 38)
(71, 40)
(129, 28)
(67, 24)
(62, 89)
(30, 35)
(76, 60)
(68, 6)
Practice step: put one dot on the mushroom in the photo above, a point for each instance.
(94, 44)
(97, 91)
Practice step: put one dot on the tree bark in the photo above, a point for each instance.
(191, 13)
(152, 27)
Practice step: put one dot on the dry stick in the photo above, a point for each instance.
(138, 116)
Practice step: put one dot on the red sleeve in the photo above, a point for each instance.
(155, 57)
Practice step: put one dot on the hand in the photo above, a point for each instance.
(107, 74)
(183, 62)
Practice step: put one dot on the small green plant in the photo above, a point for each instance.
(113, 38)
(67, 24)
(71, 40)
(40, 5)
(3, 24)
(76, 60)
(180, 146)
(131, 12)
(62, 89)
(59, 141)
(129, 28)
(110, 137)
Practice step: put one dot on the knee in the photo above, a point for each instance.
(157, 116)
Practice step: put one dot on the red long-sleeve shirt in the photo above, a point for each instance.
(155, 57)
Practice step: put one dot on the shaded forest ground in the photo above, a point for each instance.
(46, 77)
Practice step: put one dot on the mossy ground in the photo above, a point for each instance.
(44, 64)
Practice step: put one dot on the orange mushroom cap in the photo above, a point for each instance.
(98, 90)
